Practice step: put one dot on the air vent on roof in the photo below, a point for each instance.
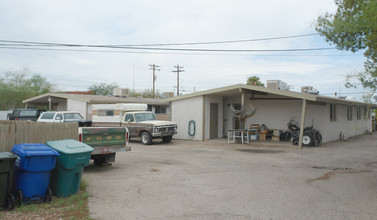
(120, 92)
(167, 94)
(309, 89)
(277, 84)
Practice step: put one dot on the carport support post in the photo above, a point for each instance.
(49, 103)
(303, 112)
(242, 125)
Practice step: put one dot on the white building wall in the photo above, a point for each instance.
(275, 114)
(61, 106)
(208, 101)
(81, 107)
(331, 130)
(185, 110)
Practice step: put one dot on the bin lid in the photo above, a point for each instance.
(28, 150)
(6, 155)
(69, 146)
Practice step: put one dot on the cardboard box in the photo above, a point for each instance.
(276, 132)
(262, 136)
(253, 137)
(274, 138)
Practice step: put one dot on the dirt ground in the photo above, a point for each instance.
(216, 180)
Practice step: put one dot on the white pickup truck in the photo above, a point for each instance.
(140, 123)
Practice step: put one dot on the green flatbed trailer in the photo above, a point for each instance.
(106, 141)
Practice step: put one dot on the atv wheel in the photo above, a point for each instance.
(307, 140)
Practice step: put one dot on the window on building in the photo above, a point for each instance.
(149, 108)
(160, 109)
(237, 106)
(366, 113)
(349, 112)
(358, 112)
(332, 112)
(105, 113)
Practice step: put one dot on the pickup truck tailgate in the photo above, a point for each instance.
(104, 139)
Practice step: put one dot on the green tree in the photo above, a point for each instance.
(254, 81)
(103, 88)
(354, 27)
(17, 86)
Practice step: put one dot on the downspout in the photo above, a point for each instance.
(87, 112)
(302, 123)
(203, 118)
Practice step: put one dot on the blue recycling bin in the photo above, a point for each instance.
(32, 172)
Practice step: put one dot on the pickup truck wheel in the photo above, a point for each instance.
(166, 139)
(146, 138)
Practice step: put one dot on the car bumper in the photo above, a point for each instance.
(163, 133)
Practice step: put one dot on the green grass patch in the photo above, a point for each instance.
(72, 207)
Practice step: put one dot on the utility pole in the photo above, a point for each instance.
(154, 68)
(179, 69)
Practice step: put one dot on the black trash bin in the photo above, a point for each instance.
(7, 200)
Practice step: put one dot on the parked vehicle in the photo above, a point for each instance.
(105, 141)
(140, 123)
(25, 114)
(64, 116)
(311, 136)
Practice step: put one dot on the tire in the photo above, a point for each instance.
(318, 137)
(285, 136)
(11, 202)
(48, 196)
(167, 139)
(98, 161)
(19, 198)
(146, 138)
(307, 140)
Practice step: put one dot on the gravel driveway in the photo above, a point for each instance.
(214, 180)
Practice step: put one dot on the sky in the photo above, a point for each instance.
(146, 22)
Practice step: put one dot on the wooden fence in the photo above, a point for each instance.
(18, 132)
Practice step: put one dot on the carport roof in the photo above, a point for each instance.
(238, 88)
(94, 99)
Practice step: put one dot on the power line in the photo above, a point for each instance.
(164, 44)
(172, 53)
(24, 44)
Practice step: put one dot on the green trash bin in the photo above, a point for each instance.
(74, 156)
(7, 200)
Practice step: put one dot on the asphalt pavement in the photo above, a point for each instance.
(216, 180)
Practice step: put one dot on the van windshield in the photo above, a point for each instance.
(146, 116)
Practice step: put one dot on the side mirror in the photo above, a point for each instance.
(58, 118)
